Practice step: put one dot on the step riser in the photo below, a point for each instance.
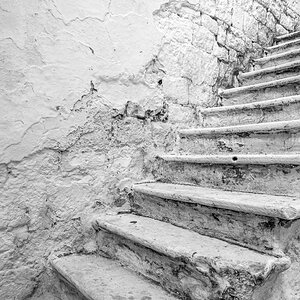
(243, 143)
(178, 275)
(276, 62)
(270, 77)
(253, 116)
(265, 234)
(262, 94)
(273, 180)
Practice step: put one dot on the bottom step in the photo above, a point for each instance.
(98, 278)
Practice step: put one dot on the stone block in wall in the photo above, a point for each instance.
(270, 21)
(210, 24)
(208, 7)
(238, 17)
(259, 12)
(224, 10)
(250, 27)
(204, 39)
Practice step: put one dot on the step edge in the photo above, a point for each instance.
(255, 87)
(278, 126)
(233, 159)
(287, 36)
(284, 101)
(285, 211)
(269, 70)
(67, 278)
(285, 54)
(83, 288)
(283, 45)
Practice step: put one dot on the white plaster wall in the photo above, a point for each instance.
(90, 91)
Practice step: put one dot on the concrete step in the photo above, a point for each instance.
(281, 109)
(277, 59)
(283, 47)
(287, 37)
(269, 174)
(270, 74)
(192, 265)
(256, 221)
(262, 138)
(261, 91)
(94, 277)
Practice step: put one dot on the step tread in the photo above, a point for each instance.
(279, 126)
(98, 278)
(253, 105)
(283, 45)
(286, 54)
(273, 69)
(259, 86)
(261, 204)
(292, 35)
(236, 159)
(180, 243)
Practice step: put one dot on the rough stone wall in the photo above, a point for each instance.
(90, 91)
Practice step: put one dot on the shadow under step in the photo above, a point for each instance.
(187, 263)
(275, 110)
(261, 91)
(94, 277)
(285, 46)
(262, 138)
(270, 174)
(262, 222)
(269, 74)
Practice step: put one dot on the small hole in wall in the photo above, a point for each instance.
(160, 82)
(234, 158)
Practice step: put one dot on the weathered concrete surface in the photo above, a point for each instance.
(194, 266)
(98, 278)
(271, 179)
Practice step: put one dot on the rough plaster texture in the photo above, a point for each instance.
(89, 91)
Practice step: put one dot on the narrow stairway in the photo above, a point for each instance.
(213, 226)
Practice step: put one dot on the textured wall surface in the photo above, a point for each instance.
(90, 91)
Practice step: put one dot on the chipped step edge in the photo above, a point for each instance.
(287, 54)
(286, 212)
(283, 45)
(281, 126)
(259, 86)
(274, 69)
(287, 36)
(235, 159)
(285, 101)
(277, 264)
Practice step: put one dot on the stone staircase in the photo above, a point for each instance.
(213, 226)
